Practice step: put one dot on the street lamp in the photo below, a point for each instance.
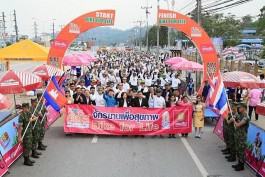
(43, 22)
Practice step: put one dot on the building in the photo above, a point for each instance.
(250, 37)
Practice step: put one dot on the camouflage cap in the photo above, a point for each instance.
(34, 100)
(242, 104)
(25, 105)
(39, 95)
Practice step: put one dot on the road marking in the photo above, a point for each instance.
(194, 157)
(95, 139)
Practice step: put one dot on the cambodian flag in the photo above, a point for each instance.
(54, 96)
(217, 96)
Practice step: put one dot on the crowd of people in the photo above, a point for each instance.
(127, 79)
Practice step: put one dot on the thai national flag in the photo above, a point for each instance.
(235, 50)
(239, 56)
(54, 96)
(217, 96)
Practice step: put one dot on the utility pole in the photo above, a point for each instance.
(16, 28)
(198, 60)
(4, 26)
(140, 30)
(147, 13)
(168, 29)
(53, 35)
(35, 31)
(157, 36)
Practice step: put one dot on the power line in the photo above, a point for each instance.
(215, 5)
(229, 6)
(186, 5)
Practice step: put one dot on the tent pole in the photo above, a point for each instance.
(15, 103)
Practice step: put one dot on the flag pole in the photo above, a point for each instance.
(4, 162)
(38, 117)
(32, 117)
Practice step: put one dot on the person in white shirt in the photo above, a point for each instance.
(143, 88)
(158, 101)
(117, 78)
(104, 79)
(99, 99)
(125, 86)
(163, 81)
(175, 82)
(133, 81)
(148, 80)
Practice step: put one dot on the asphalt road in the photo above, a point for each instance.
(109, 156)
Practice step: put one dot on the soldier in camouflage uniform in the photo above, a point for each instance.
(231, 132)
(23, 120)
(41, 110)
(226, 151)
(35, 131)
(241, 123)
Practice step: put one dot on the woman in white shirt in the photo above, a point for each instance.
(99, 99)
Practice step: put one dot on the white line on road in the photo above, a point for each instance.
(95, 139)
(194, 157)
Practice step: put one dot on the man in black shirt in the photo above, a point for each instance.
(79, 97)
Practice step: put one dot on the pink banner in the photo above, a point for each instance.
(127, 121)
(52, 116)
(218, 130)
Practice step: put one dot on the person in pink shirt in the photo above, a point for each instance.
(184, 102)
(255, 96)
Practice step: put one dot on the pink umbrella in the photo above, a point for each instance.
(188, 65)
(87, 56)
(4, 102)
(73, 60)
(174, 60)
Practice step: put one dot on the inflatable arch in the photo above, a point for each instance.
(164, 18)
(196, 34)
(73, 29)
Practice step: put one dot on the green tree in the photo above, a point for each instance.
(218, 25)
(152, 36)
(261, 22)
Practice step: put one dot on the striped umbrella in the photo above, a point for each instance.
(47, 71)
(12, 82)
(240, 79)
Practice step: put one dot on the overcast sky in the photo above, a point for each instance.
(127, 11)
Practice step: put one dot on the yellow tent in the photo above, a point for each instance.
(25, 50)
